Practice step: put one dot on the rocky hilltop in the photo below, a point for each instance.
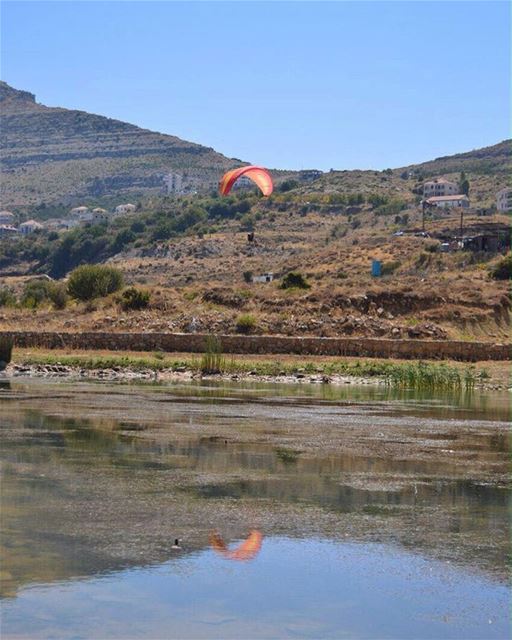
(52, 154)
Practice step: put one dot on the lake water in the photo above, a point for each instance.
(301, 511)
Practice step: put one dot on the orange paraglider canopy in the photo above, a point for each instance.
(247, 550)
(260, 177)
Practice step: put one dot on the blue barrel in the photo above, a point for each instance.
(376, 268)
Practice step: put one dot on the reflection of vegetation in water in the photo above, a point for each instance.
(288, 456)
(63, 469)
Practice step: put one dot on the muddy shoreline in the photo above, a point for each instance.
(128, 374)
(188, 374)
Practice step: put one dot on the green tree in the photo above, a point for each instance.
(463, 184)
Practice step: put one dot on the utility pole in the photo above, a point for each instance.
(423, 205)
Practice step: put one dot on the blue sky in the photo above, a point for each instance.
(284, 84)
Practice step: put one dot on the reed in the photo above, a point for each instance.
(423, 375)
(212, 360)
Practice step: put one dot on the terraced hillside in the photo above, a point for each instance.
(53, 154)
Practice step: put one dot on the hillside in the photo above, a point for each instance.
(194, 258)
(52, 154)
(488, 170)
(193, 254)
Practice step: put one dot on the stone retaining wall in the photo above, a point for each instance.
(195, 343)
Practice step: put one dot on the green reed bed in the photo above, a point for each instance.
(423, 375)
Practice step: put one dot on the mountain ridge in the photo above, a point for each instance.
(54, 155)
(39, 143)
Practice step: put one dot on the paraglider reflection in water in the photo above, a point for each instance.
(261, 178)
(247, 550)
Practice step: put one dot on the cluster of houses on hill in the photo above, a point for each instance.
(77, 216)
(446, 194)
(84, 215)
(9, 229)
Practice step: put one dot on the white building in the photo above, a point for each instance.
(6, 217)
(125, 208)
(449, 201)
(30, 226)
(309, 175)
(173, 183)
(7, 230)
(244, 183)
(100, 215)
(439, 187)
(503, 200)
(76, 212)
(264, 277)
(83, 214)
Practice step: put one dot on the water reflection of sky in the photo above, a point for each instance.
(308, 589)
(99, 480)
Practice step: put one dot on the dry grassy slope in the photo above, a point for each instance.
(51, 154)
(431, 295)
(449, 291)
(488, 170)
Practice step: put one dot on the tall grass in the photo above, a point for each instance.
(423, 375)
(212, 360)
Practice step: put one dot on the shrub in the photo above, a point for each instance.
(58, 294)
(7, 298)
(123, 238)
(247, 222)
(391, 207)
(288, 185)
(246, 323)
(134, 299)
(503, 269)
(138, 226)
(34, 293)
(247, 276)
(6, 344)
(390, 267)
(294, 279)
(94, 281)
